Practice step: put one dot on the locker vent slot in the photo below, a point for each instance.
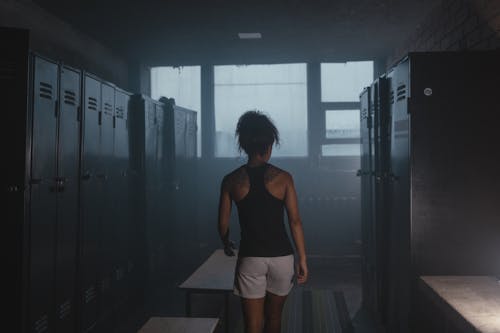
(401, 94)
(45, 90)
(108, 109)
(391, 97)
(42, 324)
(92, 103)
(120, 113)
(69, 97)
(64, 309)
(90, 294)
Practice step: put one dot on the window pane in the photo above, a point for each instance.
(343, 82)
(342, 124)
(351, 149)
(184, 85)
(280, 91)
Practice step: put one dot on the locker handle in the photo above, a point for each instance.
(78, 113)
(86, 176)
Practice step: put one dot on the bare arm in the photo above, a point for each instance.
(224, 215)
(295, 223)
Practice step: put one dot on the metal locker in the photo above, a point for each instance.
(366, 198)
(43, 195)
(381, 125)
(400, 208)
(121, 197)
(67, 197)
(108, 219)
(90, 204)
(15, 144)
(180, 131)
(191, 134)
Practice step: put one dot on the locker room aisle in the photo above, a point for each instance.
(325, 274)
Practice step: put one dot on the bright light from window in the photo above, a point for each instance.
(343, 82)
(342, 124)
(278, 90)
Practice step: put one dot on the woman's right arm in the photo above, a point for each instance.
(295, 222)
(224, 216)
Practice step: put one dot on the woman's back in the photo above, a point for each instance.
(259, 194)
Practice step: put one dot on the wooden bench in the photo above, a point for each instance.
(215, 275)
(467, 303)
(179, 325)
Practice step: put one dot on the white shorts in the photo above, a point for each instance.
(256, 275)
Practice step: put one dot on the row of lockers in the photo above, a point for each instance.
(86, 160)
(430, 187)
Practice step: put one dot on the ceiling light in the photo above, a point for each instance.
(249, 35)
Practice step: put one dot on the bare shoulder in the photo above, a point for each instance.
(235, 178)
(275, 174)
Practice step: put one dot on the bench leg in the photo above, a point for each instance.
(188, 304)
(226, 315)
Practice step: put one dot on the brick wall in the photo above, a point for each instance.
(455, 25)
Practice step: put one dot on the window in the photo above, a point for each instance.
(343, 82)
(342, 124)
(184, 85)
(280, 91)
(341, 85)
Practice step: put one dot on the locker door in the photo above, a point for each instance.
(43, 196)
(106, 176)
(121, 190)
(366, 217)
(180, 132)
(381, 195)
(150, 174)
(191, 131)
(90, 203)
(67, 198)
(400, 213)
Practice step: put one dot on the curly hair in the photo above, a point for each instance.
(256, 132)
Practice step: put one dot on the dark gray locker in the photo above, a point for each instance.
(180, 131)
(366, 197)
(43, 195)
(106, 176)
(444, 184)
(191, 134)
(381, 125)
(121, 198)
(90, 204)
(15, 88)
(67, 197)
(400, 209)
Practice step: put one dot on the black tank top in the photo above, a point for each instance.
(261, 218)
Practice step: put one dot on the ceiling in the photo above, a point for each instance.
(187, 32)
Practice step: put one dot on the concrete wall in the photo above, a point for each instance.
(58, 40)
(455, 25)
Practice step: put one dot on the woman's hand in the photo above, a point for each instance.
(302, 271)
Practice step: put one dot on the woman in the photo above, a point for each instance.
(265, 268)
